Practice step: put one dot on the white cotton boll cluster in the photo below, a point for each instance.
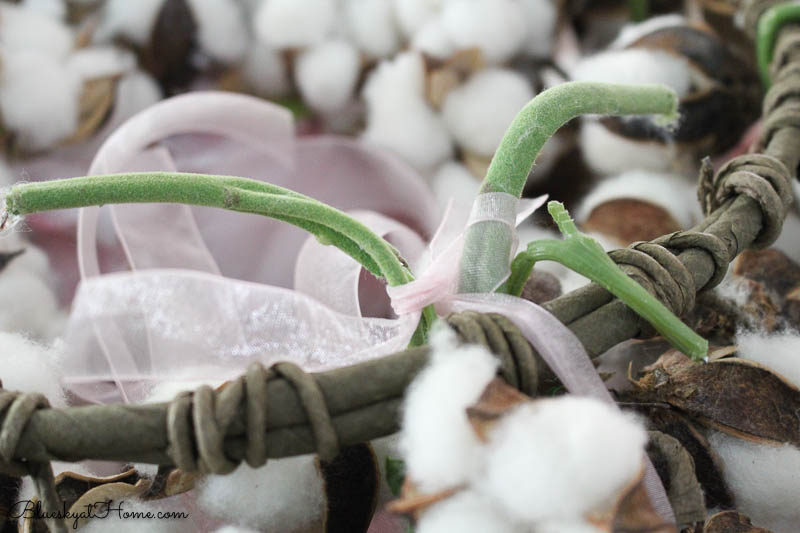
(284, 495)
(478, 112)
(412, 15)
(264, 69)
(295, 23)
(100, 62)
(433, 40)
(221, 30)
(399, 118)
(778, 351)
(669, 191)
(54, 9)
(326, 75)
(636, 66)
(373, 26)
(113, 523)
(609, 153)
(38, 98)
(132, 20)
(541, 16)
(497, 27)
(562, 458)
(438, 443)
(30, 367)
(27, 30)
(764, 479)
(466, 512)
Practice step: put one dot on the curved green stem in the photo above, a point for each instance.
(584, 255)
(523, 140)
(769, 23)
(328, 224)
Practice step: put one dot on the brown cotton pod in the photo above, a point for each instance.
(352, 481)
(71, 486)
(736, 396)
(630, 220)
(725, 101)
(731, 522)
(778, 273)
(95, 105)
(497, 399)
(167, 55)
(676, 469)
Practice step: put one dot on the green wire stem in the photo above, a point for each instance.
(584, 255)
(523, 140)
(327, 224)
(639, 9)
(769, 23)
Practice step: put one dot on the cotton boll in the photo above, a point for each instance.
(541, 16)
(265, 70)
(632, 32)
(779, 352)
(636, 66)
(412, 15)
(561, 458)
(372, 26)
(133, 20)
(764, 479)
(38, 99)
(221, 29)
(399, 119)
(27, 305)
(608, 153)
(670, 191)
(100, 62)
(113, 523)
(55, 9)
(30, 367)
(478, 112)
(27, 30)
(465, 512)
(326, 75)
(438, 443)
(454, 180)
(433, 40)
(294, 23)
(497, 27)
(284, 495)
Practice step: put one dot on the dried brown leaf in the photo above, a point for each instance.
(497, 399)
(731, 522)
(677, 471)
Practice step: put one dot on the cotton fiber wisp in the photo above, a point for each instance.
(478, 112)
(466, 512)
(561, 459)
(399, 118)
(284, 495)
(779, 352)
(31, 367)
(438, 443)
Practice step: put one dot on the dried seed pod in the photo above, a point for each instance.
(352, 482)
(779, 274)
(724, 98)
(630, 220)
(736, 396)
(731, 522)
(172, 42)
(71, 486)
(676, 468)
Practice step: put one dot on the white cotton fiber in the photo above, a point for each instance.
(221, 30)
(573, 526)
(26, 30)
(294, 23)
(541, 16)
(432, 39)
(561, 458)
(284, 495)
(264, 69)
(778, 351)
(632, 32)
(478, 112)
(454, 181)
(133, 20)
(669, 191)
(497, 27)
(27, 304)
(438, 443)
(399, 118)
(38, 99)
(609, 153)
(30, 367)
(326, 75)
(54, 9)
(466, 512)
(373, 26)
(113, 523)
(412, 15)
(636, 66)
(100, 62)
(764, 479)
(734, 288)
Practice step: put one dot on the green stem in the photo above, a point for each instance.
(769, 23)
(639, 9)
(329, 225)
(584, 255)
(523, 140)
